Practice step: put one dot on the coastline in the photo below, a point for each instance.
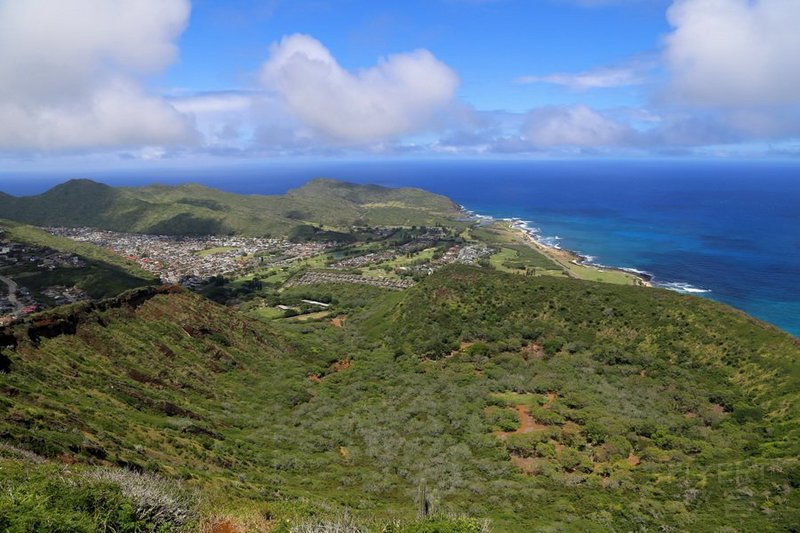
(565, 257)
(562, 255)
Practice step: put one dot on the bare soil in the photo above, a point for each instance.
(527, 424)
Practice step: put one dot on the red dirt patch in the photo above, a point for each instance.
(338, 322)
(718, 409)
(339, 366)
(223, 526)
(315, 378)
(559, 448)
(633, 460)
(527, 424)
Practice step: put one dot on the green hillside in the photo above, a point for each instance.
(196, 210)
(533, 403)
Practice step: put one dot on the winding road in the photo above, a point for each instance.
(12, 293)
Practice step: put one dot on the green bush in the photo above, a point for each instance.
(524, 444)
(501, 418)
(546, 416)
(546, 450)
(574, 461)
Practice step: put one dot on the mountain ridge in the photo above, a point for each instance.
(194, 209)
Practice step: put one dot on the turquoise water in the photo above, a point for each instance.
(728, 231)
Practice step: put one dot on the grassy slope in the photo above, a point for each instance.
(194, 209)
(705, 397)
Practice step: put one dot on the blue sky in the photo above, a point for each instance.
(126, 82)
(490, 44)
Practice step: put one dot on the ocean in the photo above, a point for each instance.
(729, 231)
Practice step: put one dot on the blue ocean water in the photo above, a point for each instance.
(731, 229)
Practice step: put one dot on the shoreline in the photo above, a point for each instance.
(559, 254)
(533, 238)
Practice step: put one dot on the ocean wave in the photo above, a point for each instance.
(681, 287)
(636, 271)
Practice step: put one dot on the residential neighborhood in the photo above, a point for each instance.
(173, 259)
(17, 300)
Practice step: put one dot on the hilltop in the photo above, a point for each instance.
(198, 210)
(533, 402)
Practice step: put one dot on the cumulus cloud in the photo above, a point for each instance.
(402, 94)
(577, 126)
(70, 73)
(734, 52)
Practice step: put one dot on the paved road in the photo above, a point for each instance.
(12, 293)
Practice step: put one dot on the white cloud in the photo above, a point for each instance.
(70, 73)
(402, 94)
(599, 78)
(735, 52)
(579, 126)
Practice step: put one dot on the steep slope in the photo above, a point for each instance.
(536, 403)
(194, 209)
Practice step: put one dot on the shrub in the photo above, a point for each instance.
(553, 346)
(572, 460)
(614, 449)
(747, 413)
(595, 432)
(547, 416)
(155, 499)
(546, 450)
(501, 418)
(524, 444)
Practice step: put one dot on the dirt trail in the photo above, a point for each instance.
(338, 322)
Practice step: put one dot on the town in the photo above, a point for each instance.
(196, 261)
(178, 259)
